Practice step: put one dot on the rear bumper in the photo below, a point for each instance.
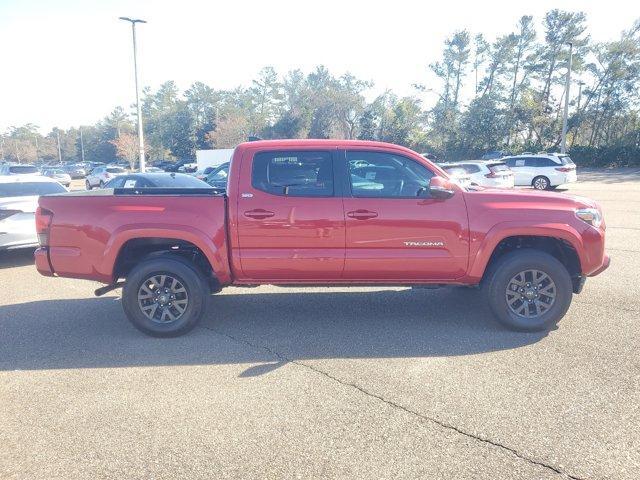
(42, 262)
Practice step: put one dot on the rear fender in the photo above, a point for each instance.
(216, 254)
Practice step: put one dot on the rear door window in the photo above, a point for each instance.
(293, 173)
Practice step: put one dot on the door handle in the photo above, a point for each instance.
(362, 214)
(259, 214)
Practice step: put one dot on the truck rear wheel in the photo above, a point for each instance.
(528, 290)
(164, 296)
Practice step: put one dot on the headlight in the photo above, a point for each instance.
(590, 215)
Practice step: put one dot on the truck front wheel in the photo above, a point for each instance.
(528, 290)
(164, 296)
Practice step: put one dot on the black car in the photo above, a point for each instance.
(156, 180)
(218, 177)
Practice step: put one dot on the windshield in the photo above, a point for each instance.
(220, 174)
(24, 189)
(178, 181)
(498, 167)
(456, 171)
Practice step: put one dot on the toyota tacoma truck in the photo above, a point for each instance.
(323, 212)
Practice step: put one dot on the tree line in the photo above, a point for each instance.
(505, 94)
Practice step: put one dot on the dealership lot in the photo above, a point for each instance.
(327, 383)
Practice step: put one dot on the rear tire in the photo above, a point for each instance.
(164, 296)
(87, 185)
(101, 185)
(541, 183)
(520, 306)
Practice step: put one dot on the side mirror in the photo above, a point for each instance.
(441, 188)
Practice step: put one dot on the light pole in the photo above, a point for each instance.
(563, 146)
(138, 106)
(81, 145)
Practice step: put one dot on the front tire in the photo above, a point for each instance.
(164, 296)
(541, 183)
(87, 185)
(528, 290)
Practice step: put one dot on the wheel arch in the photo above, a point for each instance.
(128, 247)
(561, 241)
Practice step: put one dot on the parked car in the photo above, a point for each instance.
(457, 174)
(488, 173)
(155, 180)
(494, 155)
(174, 166)
(219, 176)
(331, 212)
(58, 175)
(75, 171)
(542, 172)
(18, 203)
(19, 169)
(188, 168)
(101, 175)
(202, 173)
(153, 170)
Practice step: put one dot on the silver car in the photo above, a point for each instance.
(18, 203)
(58, 175)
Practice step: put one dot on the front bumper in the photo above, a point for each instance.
(605, 264)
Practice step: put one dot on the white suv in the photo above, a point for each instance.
(101, 175)
(488, 173)
(542, 171)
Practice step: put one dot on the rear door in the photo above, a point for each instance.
(395, 230)
(291, 224)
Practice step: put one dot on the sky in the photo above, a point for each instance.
(69, 62)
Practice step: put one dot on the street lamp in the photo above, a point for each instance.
(563, 146)
(135, 69)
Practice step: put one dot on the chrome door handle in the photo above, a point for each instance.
(362, 214)
(259, 214)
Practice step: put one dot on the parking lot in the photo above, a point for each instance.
(327, 383)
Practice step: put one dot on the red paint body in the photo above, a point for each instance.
(254, 237)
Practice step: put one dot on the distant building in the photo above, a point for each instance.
(213, 158)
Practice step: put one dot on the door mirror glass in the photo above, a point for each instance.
(441, 188)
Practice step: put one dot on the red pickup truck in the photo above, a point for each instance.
(323, 212)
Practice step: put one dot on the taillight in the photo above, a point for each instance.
(43, 223)
(565, 169)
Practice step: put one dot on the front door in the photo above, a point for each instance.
(395, 230)
(291, 224)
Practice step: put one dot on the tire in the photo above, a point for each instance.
(101, 185)
(87, 185)
(161, 325)
(499, 288)
(541, 183)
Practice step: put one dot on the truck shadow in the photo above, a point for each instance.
(264, 330)
(16, 258)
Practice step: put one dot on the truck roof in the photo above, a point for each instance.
(319, 142)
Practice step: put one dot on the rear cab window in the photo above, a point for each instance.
(293, 173)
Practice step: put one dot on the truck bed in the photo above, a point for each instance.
(89, 229)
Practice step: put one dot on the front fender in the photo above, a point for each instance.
(487, 244)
